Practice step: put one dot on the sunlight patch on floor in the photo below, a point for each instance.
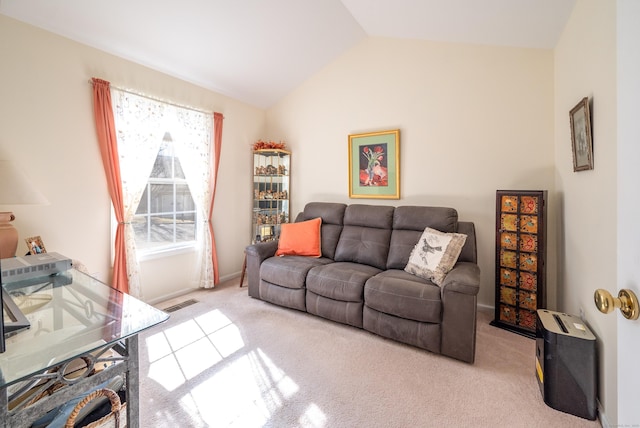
(246, 389)
(212, 321)
(247, 392)
(227, 340)
(182, 352)
(313, 417)
(197, 357)
(166, 372)
(183, 334)
(157, 347)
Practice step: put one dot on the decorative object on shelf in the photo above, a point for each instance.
(374, 165)
(15, 189)
(520, 259)
(35, 245)
(581, 141)
(269, 145)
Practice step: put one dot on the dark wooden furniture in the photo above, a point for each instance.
(520, 259)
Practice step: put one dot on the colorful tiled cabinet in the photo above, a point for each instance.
(520, 259)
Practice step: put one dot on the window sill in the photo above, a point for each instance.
(152, 253)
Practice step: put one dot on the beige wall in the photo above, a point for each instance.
(47, 127)
(472, 120)
(585, 65)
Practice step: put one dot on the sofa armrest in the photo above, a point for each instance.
(262, 250)
(256, 254)
(459, 310)
(463, 278)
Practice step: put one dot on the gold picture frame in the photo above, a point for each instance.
(581, 141)
(35, 245)
(374, 165)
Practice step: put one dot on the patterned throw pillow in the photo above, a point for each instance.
(435, 254)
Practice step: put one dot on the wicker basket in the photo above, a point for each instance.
(116, 419)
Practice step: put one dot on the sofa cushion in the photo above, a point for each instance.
(341, 281)
(409, 223)
(349, 313)
(366, 235)
(424, 335)
(332, 215)
(329, 212)
(300, 239)
(289, 271)
(404, 295)
(435, 254)
(469, 252)
(419, 218)
(294, 298)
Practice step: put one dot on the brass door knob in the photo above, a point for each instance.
(626, 301)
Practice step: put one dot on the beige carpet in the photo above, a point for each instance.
(233, 361)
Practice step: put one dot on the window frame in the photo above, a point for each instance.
(147, 248)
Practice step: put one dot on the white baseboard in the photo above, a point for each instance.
(486, 307)
(184, 291)
(230, 276)
(602, 416)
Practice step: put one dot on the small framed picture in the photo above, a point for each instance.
(35, 245)
(374, 165)
(581, 142)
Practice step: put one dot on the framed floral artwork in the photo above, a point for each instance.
(374, 165)
(581, 142)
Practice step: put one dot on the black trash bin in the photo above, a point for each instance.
(566, 363)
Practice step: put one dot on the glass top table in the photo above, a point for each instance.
(70, 314)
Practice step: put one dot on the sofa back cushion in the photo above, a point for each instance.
(366, 235)
(332, 215)
(469, 251)
(409, 223)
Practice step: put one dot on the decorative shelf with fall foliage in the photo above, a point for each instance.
(271, 190)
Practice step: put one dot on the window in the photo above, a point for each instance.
(166, 216)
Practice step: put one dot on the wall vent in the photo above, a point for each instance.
(180, 305)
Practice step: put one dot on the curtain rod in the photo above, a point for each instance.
(128, 91)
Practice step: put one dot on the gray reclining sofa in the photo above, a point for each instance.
(360, 278)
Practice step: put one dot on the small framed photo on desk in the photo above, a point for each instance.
(35, 245)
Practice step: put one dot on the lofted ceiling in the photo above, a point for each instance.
(259, 50)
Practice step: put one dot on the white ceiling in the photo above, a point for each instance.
(258, 50)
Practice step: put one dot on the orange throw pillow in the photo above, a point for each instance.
(300, 239)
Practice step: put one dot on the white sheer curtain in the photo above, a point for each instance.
(141, 124)
(193, 147)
